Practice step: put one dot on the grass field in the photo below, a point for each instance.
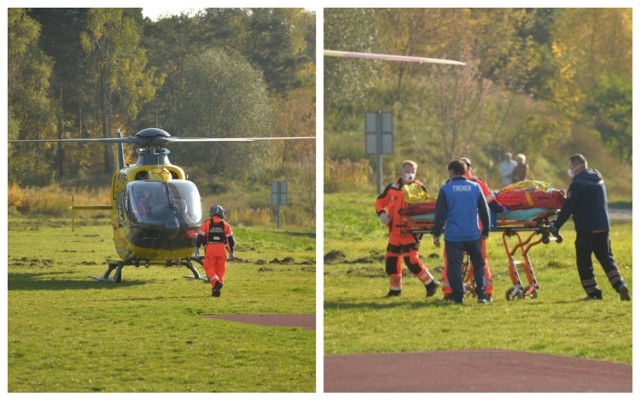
(358, 319)
(70, 333)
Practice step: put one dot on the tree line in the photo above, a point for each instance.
(85, 73)
(536, 81)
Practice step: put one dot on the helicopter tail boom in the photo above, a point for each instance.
(73, 209)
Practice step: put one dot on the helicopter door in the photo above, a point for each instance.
(185, 198)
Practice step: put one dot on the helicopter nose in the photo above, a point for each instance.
(171, 224)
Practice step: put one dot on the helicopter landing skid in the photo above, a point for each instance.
(116, 265)
(189, 264)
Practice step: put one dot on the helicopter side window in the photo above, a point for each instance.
(121, 205)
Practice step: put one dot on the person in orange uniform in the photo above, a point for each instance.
(216, 235)
(495, 206)
(402, 246)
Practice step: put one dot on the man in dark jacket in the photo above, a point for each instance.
(460, 203)
(587, 202)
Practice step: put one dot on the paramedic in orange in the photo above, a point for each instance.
(402, 246)
(217, 236)
(495, 206)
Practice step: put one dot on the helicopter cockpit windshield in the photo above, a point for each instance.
(151, 201)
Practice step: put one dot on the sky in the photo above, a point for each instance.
(160, 9)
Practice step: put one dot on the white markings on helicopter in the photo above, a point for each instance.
(389, 57)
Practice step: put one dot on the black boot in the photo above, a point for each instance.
(432, 287)
(215, 292)
(394, 293)
(623, 291)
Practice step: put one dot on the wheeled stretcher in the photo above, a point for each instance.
(521, 231)
(534, 226)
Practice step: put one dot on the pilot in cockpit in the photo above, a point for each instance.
(145, 202)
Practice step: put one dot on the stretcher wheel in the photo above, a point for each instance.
(545, 239)
(513, 293)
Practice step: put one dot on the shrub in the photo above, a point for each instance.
(346, 175)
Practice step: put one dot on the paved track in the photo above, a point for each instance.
(472, 371)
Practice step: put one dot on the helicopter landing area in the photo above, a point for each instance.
(473, 371)
(305, 321)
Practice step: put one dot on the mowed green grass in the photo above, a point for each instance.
(358, 319)
(70, 333)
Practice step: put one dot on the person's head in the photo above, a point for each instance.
(216, 211)
(408, 171)
(577, 164)
(456, 168)
(467, 163)
(521, 159)
(507, 156)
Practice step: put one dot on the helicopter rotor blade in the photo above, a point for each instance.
(389, 57)
(232, 139)
(160, 140)
(131, 139)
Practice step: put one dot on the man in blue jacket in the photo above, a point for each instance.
(460, 203)
(587, 202)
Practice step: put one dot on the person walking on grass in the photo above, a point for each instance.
(402, 246)
(587, 203)
(463, 213)
(217, 237)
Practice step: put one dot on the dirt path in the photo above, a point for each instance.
(620, 214)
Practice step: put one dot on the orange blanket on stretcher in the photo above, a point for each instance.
(520, 199)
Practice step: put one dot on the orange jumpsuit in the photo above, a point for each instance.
(488, 280)
(217, 233)
(401, 246)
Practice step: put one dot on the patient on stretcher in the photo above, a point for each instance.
(526, 201)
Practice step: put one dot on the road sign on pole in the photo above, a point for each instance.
(279, 197)
(378, 132)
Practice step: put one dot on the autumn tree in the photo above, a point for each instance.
(347, 81)
(118, 66)
(224, 96)
(70, 88)
(30, 112)
(593, 50)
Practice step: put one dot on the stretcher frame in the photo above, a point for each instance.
(535, 231)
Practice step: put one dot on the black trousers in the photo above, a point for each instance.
(455, 253)
(598, 244)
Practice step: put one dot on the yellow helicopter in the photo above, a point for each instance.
(155, 210)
